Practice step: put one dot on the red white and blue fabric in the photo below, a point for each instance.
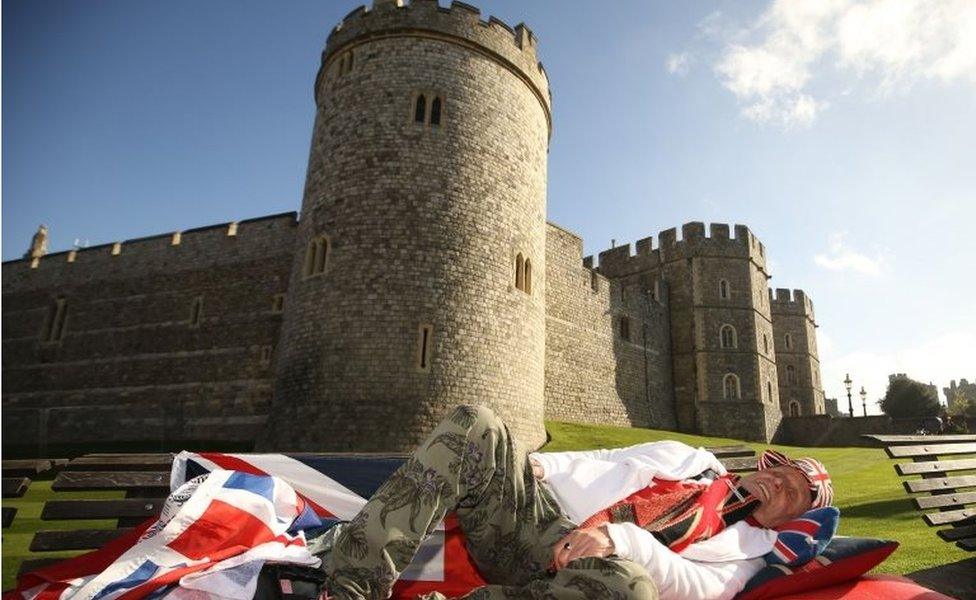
(213, 536)
(818, 479)
(800, 540)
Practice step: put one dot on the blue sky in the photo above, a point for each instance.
(842, 133)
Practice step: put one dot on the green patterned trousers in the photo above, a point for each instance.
(470, 465)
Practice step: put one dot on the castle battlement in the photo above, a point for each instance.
(694, 241)
(515, 47)
(787, 301)
(211, 244)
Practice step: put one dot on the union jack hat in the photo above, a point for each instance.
(821, 488)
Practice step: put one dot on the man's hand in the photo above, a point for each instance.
(582, 543)
(537, 469)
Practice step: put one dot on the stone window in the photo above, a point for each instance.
(765, 343)
(730, 387)
(345, 63)
(196, 311)
(769, 391)
(789, 341)
(266, 354)
(56, 319)
(723, 289)
(420, 109)
(625, 328)
(790, 375)
(428, 109)
(523, 273)
(794, 409)
(728, 337)
(425, 342)
(278, 303)
(316, 256)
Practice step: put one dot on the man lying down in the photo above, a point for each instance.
(658, 520)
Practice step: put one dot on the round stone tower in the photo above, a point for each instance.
(418, 281)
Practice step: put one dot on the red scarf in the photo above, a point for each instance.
(681, 513)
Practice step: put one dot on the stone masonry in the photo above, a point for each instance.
(421, 274)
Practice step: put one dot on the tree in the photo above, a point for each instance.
(907, 399)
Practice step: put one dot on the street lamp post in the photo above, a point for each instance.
(864, 401)
(850, 405)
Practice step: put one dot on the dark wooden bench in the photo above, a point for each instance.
(17, 477)
(144, 480)
(947, 466)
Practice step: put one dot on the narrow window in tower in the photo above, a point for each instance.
(625, 328)
(790, 375)
(321, 254)
(278, 303)
(424, 346)
(57, 315)
(794, 409)
(528, 277)
(730, 386)
(728, 337)
(723, 289)
(266, 354)
(765, 344)
(519, 272)
(196, 312)
(789, 342)
(769, 391)
(435, 111)
(349, 61)
(420, 109)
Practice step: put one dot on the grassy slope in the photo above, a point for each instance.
(868, 492)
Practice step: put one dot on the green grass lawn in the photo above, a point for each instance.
(872, 501)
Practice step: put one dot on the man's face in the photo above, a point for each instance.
(783, 494)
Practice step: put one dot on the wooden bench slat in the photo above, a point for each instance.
(950, 516)
(739, 465)
(121, 462)
(108, 480)
(942, 483)
(80, 539)
(932, 449)
(101, 509)
(33, 564)
(890, 440)
(935, 466)
(734, 451)
(943, 500)
(8, 515)
(957, 533)
(25, 467)
(14, 487)
(968, 544)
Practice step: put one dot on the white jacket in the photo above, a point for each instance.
(714, 569)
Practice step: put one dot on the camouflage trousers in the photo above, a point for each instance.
(470, 465)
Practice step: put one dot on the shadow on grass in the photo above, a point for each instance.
(901, 507)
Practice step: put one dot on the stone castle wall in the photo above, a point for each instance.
(798, 362)
(592, 372)
(132, 364)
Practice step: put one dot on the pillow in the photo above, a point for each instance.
(843, 559)
(803, 538)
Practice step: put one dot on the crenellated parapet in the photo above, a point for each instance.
(791, 302)
(212, 245)
(718, 242)
(460, 23)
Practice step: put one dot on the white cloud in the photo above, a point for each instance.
(937, 360)
(678, 64)
(841, 257)
(771, 68)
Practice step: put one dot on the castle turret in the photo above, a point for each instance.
(419, 277)
(721, 330)
(797, 360)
